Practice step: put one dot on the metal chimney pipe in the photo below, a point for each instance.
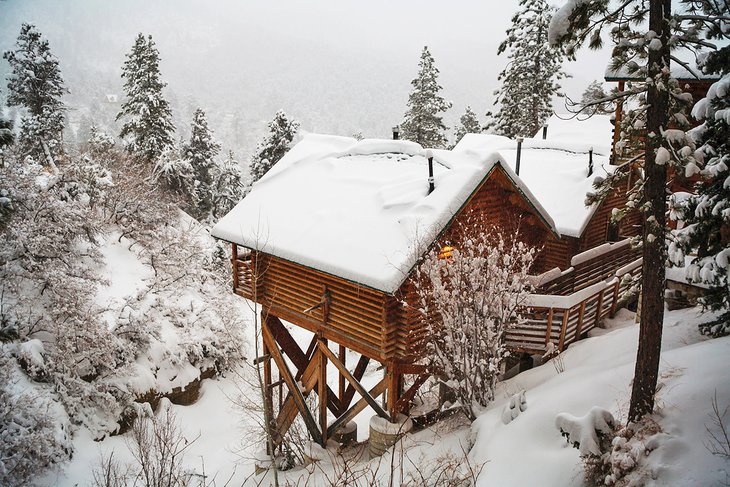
(431, 185)
(396, 132)
(544, 131)
(590, 161)
(519, 155)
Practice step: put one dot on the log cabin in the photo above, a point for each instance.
(327, 241)
(559, 166)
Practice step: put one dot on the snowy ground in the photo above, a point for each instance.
(527, 451)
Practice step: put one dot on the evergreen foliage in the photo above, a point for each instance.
(35, 83)
(228, 186)
(468, 124)
(592, 99)
(706, 215)
(200, 153)
(422, 121)
(282, 130)
(643, 50)
(530, 79)
(6, 133)
(147, 129)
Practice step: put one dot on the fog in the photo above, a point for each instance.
(338, 66)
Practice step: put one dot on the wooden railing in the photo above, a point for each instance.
(243, 276)
(588, 268)
(555, 321)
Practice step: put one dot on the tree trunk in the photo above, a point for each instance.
(654, 246)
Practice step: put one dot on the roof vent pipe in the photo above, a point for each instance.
(431, 185)
(544, 132)
(590, 161)
(396, 132)
(519, 155)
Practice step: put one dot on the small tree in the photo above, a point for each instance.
(468, 124)
(228, 186)
(200, 152)
(35, 83)
(176, 174)
(148, 128)
(470, 294)
(282, 130)
(706, 215)
(530, 80)
(593, 97)
(422, 121)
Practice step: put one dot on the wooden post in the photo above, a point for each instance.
(579, 326)
(268, 390)
(234, 265)
(563, 329)
(600, 305)
(322, 391)
(341, 391)
(394, 388)
(615, 298)
(549, 327)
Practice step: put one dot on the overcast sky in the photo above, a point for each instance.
(340, 66)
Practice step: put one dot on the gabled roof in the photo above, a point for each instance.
(556, 169)
(359, 210)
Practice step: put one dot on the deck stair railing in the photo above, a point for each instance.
(569, 304)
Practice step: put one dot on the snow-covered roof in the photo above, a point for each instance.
(556, 169)
(358, 210)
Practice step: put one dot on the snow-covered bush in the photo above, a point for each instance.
(612, 454)
(31, 438)
(470, 295)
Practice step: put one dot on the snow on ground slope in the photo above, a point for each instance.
(527, 451)
(598, 372)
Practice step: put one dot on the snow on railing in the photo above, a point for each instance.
(555, 321)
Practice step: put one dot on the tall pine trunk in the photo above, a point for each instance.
(654, 246)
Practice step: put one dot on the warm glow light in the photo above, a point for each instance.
(445, 252)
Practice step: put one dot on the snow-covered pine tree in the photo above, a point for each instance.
(147, 128)
(228, 186)
(468, 124)
(6, 133)
(593, 97)
(706, 215)
(200, 153)
(530, 79)
(645, 34)
(282, 130)
(35, 83)
(174, 172)
(422, 121)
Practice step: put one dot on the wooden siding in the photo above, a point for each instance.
(386, 328)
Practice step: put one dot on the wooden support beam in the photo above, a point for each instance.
(394, 387)
(299, 359)
(362, 364)
(341, 380)
(614, 304)
(292, 385)
(581, 316)
(268, 392)
(322, 391)
(376, 391)
(408, 396)
(360, 389)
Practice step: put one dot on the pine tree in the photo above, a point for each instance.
(468, 125)
(282, 130)
(200, 152)
(530, 80)
(593, 97)
(422, 121)
(228, 188)
(643, 49)
(6, 133)
(706, 215)
(148, 128)
(176, 175)
(35, 83)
